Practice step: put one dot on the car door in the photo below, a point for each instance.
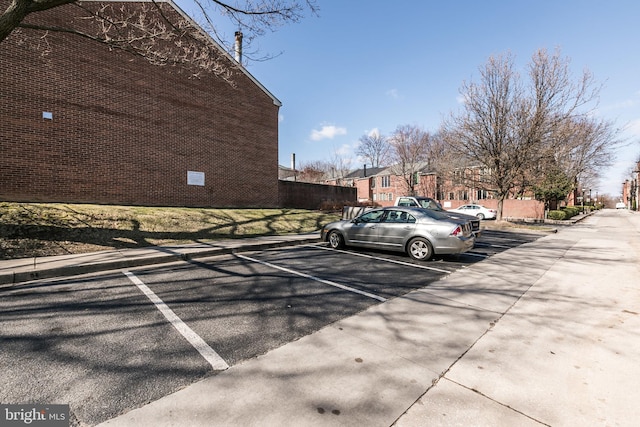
(395, 228)
(363, 230)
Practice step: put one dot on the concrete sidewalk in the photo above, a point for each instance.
(544, 334)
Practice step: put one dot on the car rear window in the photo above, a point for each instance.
(434, 214)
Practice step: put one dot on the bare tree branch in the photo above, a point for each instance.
(374, 148)
(150, 39)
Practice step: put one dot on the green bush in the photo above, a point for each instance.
(557, 215)
(571, 211)
(564, 213)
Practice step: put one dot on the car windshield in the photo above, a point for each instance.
(431, 204)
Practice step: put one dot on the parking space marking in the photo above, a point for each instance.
(317, 279)
(490, 245)
(476, 254)
(216, 362)
(393, 261)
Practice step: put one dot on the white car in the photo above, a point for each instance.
(478, 211)
(621, 205)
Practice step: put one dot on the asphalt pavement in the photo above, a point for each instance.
(547, 333)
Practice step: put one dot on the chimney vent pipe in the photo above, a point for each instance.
(238, 47)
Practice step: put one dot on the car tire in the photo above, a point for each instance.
(480, 217)
(420, 249)
(335, 239)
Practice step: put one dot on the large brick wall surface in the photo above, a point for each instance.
(124, 131)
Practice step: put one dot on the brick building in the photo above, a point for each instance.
(82, 123)
(631, 190)
(381, 187)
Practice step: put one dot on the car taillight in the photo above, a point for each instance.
(457, 231)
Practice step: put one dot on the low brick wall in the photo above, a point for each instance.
(304, 195)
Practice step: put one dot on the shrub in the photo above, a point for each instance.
(557, 215)
(571, 211)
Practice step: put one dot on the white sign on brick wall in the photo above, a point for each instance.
(195, 178)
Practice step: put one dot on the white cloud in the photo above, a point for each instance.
(374, 132)
(280, 118)
(327, 132)
(393, 93)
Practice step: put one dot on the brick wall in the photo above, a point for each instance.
(124, 131)
(304, 195)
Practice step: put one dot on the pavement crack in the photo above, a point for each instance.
(511, 408)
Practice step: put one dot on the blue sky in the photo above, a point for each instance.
(376, 64)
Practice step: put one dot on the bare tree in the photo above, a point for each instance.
(374, 149)
(315, 171)
(486, 131)
(339, 166)
(583, 147)
(509, 128)
(410, 148)
(166, 38)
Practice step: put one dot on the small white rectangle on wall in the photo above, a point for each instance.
(195, 178)
(47, 115)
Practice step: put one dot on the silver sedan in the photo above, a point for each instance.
(421, 233)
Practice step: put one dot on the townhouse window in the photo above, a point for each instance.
(373, 182)
(385, 181)
(457, 177)
(390, 196)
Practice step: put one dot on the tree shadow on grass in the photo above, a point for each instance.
(31, 233)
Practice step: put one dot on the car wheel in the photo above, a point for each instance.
(420, 249)
(336, 241)
(480, 216)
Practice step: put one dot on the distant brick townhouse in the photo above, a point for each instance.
(631, 190)
(381, 186)
(84, 123)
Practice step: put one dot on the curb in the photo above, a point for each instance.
(13, 277)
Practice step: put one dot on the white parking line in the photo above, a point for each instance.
(216, 362)
(317, 279)
(476, 254)
(425, 267)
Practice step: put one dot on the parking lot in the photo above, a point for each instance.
(111, 342)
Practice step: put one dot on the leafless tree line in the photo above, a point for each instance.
(536, 135)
